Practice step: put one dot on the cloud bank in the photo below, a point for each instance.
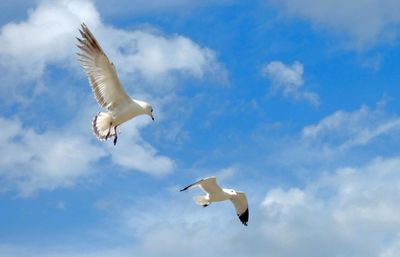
(150, 63)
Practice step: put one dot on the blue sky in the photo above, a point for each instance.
(293, 102)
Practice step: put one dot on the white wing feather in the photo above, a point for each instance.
(240, 202)
(208, 185)
(101, 72)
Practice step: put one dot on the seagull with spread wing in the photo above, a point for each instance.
(107, 89)
(214, 193)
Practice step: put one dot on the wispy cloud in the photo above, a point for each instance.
(289, 80)
(337, 139)
(364, 23)
(344, 129)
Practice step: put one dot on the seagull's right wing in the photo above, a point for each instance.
(208, 185)
(241, 206)
(101, 72)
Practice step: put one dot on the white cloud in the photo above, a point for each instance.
(177, 216)
(63, 156)
(32, 161)
(343, 129)
(135, 153)
(334, 140)
(335, 210)
(158, 60)
(280, 201)
(364, 22)
(47, 37)
(226, 173)
(323, 218)
(289, 80)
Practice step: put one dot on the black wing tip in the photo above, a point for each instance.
(191, 185)
(184, 189)
(244, 217)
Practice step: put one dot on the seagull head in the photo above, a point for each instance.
(148, 109)
(230, 192)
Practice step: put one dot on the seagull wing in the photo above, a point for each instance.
(101, 72)
(208, 185)
(242, 208)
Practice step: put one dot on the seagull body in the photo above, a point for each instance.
(107, 89)
(214, 193)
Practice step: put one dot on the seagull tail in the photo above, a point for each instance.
(201, 200)
(102, 126)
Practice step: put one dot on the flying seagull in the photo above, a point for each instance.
(216, 194)
(107, 89)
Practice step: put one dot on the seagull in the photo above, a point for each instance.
(214, 193)
(107, 89)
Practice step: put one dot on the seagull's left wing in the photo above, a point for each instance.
(208, 185)
(242, 208)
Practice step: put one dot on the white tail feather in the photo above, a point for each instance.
(102, 126)
(201, 200)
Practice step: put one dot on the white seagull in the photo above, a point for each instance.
(214, 193)
(107, 89)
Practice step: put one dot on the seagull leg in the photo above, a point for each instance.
(205, 205)
(116, 135)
